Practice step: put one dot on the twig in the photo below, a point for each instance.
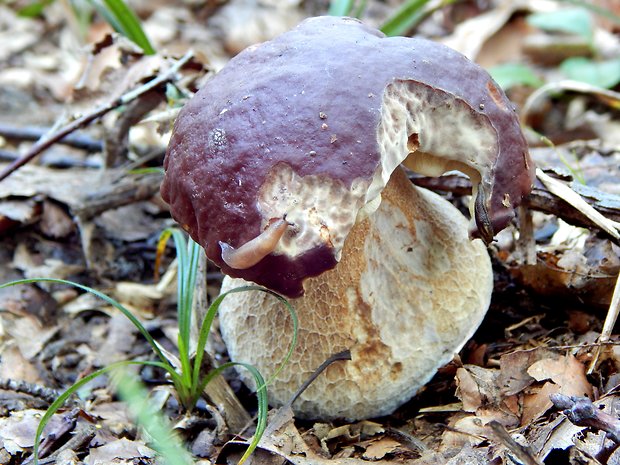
(56, 162)
(47, 142)
(117, 140)
(285, 413)
(344, 355)
(69, 421)
(46, 394)
(582, 412)
(79, 141)
(522, 453)
(540, 199)
(564, 192)
(128, 190)
(82, 436)
(608, 326)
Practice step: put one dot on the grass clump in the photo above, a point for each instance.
(188, 381)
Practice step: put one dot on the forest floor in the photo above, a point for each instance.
(537, 383)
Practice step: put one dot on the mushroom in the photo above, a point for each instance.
(286, 168)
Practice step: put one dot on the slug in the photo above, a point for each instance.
(485, 227)
(252, 252)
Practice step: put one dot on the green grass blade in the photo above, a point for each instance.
(62, 398)
(340, 7)
(360, 9)
(261, 394)
(405, 18)
(188, 254)
(162, 436)
(103, 297)
(34, 9)
(208, 320)
(263, 410)
(124, 20)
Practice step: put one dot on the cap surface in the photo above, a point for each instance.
(409, 292)
(310, 126)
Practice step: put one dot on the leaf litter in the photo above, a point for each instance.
(492, 405)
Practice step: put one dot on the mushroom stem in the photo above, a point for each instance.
(252, 252)
(410, 290)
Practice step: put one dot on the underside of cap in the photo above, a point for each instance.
(298, 129)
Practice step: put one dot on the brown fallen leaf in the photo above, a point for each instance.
(567, 372)
(55, 221)
(13, 365)
(31, 335)
(514, 377)
(566, 375)
(18, 429)
(380, 448)
(119, 451)
(536, 402)
(480, 391)
(467, 390)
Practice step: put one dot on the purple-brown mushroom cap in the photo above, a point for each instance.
(309, 127)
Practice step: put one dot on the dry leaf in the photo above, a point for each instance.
(514, 365)
(55, 221)
(30, 335)
(122, 451)
(13, 365)
(380, 448)
(536, 402)
(18, 429)
(566, 372)
(467, 390)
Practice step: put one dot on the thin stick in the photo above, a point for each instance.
(344, 355)
(47, 142)
(80, 141)
(608, 326)
(523, 454)
(44, 393)
(582, 412)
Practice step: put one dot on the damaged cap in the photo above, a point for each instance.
(273, 161)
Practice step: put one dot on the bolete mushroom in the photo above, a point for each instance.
(285, 167)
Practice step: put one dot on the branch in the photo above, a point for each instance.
(47, 142)
(540, 199)
(582, 412)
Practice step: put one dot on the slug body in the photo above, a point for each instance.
(483, 221)
(252, 252)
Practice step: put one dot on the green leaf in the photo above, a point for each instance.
(605, 74)
(514, 74)
(124, 20)
(340, 7)
(34, 9)
(405, 18)
(571, 20)
(208, 320)
(603, 12)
